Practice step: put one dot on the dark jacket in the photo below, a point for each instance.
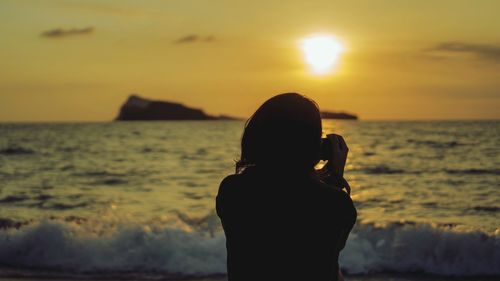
(283, 227)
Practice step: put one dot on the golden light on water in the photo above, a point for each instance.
(321, 53)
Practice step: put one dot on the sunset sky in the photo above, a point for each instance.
(79, 60)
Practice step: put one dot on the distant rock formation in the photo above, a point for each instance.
(138, 108)
(338, 115)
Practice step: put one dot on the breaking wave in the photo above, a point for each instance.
(70, 247)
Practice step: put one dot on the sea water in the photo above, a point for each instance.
(138, 197)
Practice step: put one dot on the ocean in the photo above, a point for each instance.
(122, 199)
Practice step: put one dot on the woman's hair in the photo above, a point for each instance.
(284, 133)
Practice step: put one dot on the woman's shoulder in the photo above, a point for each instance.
(243, 178)
(332, 193)
(233, 179)
(231, 183)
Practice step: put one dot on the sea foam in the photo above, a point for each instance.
(421, 248)
(68, 247)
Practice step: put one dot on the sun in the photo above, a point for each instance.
(321, 53)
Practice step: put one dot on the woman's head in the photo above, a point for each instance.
(285, 132)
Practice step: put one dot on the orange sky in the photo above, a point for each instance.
(79, 60)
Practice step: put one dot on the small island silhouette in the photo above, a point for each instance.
(338, 115)
(139, 108)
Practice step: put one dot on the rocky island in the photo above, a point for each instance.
(338, 115)
(139, 108)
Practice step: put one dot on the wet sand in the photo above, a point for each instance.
(388, 278)
(13, 274)
(374, 277)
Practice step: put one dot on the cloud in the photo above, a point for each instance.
(59, 32)
(192, 38)
(484, 51)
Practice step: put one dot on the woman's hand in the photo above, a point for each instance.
(333, 171)
(337, 161)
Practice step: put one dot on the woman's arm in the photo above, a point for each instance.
(346, 207)
(226, 202)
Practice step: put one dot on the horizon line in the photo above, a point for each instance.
(241, 120)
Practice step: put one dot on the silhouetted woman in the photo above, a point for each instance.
(283, 219)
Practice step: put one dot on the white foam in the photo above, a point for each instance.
(58, 246)
(421, 248)
(399, 248)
